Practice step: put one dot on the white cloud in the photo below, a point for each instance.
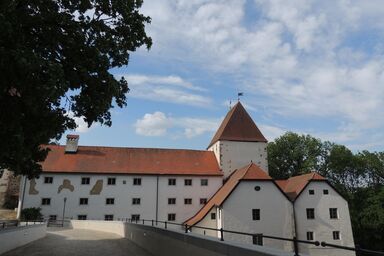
(155, 124)
(298, 55)
(171, 89)
(81, 125)
(158, 124)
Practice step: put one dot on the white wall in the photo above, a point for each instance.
(116, 227)
(276, 214)
(232, 155)
(208, 222)
(322, 225)
(123, 194)
(16, 237)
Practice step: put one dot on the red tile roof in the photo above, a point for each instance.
(238, 126)
(293, 186)
(115, 160)
(249, 172)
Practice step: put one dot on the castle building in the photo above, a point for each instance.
(226, 186)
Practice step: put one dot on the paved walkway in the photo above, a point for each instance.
(63, 242)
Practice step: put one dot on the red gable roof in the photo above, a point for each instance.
(293, 186)
(115, 160)
(238, 126)
(249, 172)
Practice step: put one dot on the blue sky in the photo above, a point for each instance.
(312, 67)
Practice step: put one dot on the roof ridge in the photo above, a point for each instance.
(113, 147)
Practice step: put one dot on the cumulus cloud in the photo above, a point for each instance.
(301, 56)
(155, 124)
(158, 124)
(171, 89)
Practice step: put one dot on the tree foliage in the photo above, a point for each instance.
(358, 177)
(55, 62)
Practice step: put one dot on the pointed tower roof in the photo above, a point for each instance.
(238, 126)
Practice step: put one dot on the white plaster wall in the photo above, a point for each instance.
(276, 214)
(123, 194)
(322, 225)
(116, 227)
(207, 222)
(96, 208)
(16, 237)
(180, 192)
(232, 155)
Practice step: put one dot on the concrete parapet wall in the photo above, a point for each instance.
(161, 242)
(116, 227)
(15, 237)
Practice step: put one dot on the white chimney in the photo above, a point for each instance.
(72, 141)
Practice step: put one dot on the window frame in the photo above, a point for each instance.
(85, 180)
(171, 182)
(256, 214)
(213, 215)
(203, 182)
(188, 201)
(136, 182)
(48, 180)
(257, 239)
(82, 199)
(136, 201)
(171, 200)
(333, 213)
(53, 217)
(108, 217)
(83, 217)
(110, 201)
(46, 201)
(336, 235)
(310, 236)
(311, 191)
(325, 192)
(187, 182)
(203, 201)
(310, 213)
(111, 181)
(171, 217)
(135, 217)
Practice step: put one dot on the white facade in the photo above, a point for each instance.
(276, 214)
(232, 155)
(323, 225)
(153, 194)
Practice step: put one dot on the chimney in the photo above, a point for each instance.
(71, 146)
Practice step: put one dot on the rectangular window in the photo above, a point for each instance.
(137, 181)
(46, 201)
(171, 216)
(83, 201)
(311, 192)
(310, 213)
(110, 201)
(255, 214)
(203, 200)
(171, 200)
(336, 235)
(333, 213)
(171, 182)
(213, 215)
(204, 182)
(187, 200)
(48, 180)
(257, 239)
(83, 217)
(188, 182)
(52, 217)
(135, 217)
(108, 217)
(85, 181)
(136, 201)
(111, 181)
(325, 191)
(310, 236)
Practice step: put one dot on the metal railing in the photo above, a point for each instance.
(5, 224)
(294, 240)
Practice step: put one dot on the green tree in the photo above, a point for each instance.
(293, 154)
(55, 62)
